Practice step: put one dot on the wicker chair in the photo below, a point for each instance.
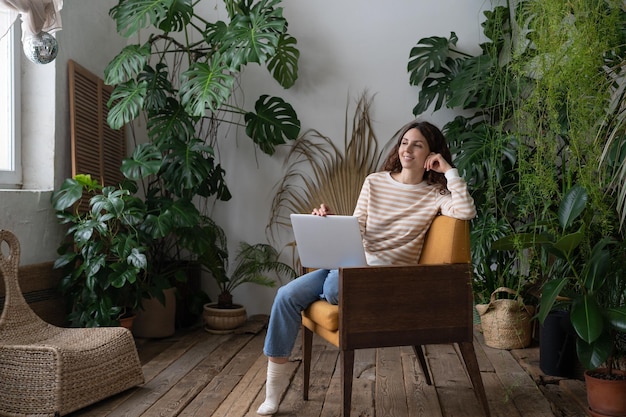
(47, 370)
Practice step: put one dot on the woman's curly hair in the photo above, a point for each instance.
(436, 142)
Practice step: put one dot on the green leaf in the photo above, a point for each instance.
(596, 269)
(519, 241)
(158, 87)
(428, 56)
(171, 121)
(65, 259)
(127, 64)
(551, 289)
(284, 63)
(146, 160)
(252, 37)
(70, 192)
(572, 205)
(127, 100)
(206, 86)
(178, 16)
(137, 259)
(566, 244)
(186, 165)
(121, 274)
(617, 317)
(133, 15)
(472, 82)
(586, 318)
(593, 355)
(433, 89)
(275, 122)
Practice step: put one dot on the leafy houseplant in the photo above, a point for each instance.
(183, 80)
(543, 60)
(253, 264)
(591, 282)
(103, 254)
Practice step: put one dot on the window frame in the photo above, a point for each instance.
(11, 179)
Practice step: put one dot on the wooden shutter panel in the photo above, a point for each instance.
(96, 148)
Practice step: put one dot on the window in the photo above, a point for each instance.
(10, 157)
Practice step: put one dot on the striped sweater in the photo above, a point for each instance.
(395, 217)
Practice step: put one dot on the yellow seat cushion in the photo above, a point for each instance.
(323, 314)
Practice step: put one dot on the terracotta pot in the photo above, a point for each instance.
(127, 322)
(223, 320)
(606, 397)
(156, 320)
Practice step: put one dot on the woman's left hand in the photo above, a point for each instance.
(436, 162)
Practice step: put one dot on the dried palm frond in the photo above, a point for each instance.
(318, 171)
(614, 147)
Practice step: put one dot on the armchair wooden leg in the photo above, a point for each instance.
(471, 363)
(307, 345)
(347, 374)
(419, 352)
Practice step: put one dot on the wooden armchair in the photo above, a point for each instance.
(429, 303)
(47, 370)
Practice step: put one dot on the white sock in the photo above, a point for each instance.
(277, 381)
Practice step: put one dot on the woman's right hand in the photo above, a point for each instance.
(322, 210)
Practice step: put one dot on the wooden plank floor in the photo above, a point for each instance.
(195, 373)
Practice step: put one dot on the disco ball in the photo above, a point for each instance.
(41, 48)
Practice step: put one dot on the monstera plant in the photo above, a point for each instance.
(183, 79)
(178, 77)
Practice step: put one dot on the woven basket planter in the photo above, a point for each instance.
(223, 320)
(505, 322)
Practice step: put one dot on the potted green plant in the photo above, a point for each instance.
(103, 254)
(255, 264)
(183, 80)
(592, 286)
(515, 93)
(539, 113)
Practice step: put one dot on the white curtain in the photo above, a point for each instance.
(37, 15)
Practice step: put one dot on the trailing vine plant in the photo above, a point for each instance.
(537, 102)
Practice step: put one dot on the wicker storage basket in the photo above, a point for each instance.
(505, 322)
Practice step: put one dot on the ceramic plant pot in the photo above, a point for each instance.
(606, 397)
(223, 320)
(156, 320)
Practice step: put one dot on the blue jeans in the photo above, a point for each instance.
(291, 299)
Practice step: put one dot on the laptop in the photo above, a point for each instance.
(328, 242)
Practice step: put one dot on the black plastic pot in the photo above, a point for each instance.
(557, 345)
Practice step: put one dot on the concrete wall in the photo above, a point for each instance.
(346, 47)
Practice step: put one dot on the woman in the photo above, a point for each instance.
(395, 209)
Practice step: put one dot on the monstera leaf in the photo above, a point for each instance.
(127, 64)
(206, 86)
(132, 16)
(284, 63)
(252, 37)
(127, 100)
(274, 121)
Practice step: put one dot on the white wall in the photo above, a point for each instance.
(346, 47)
